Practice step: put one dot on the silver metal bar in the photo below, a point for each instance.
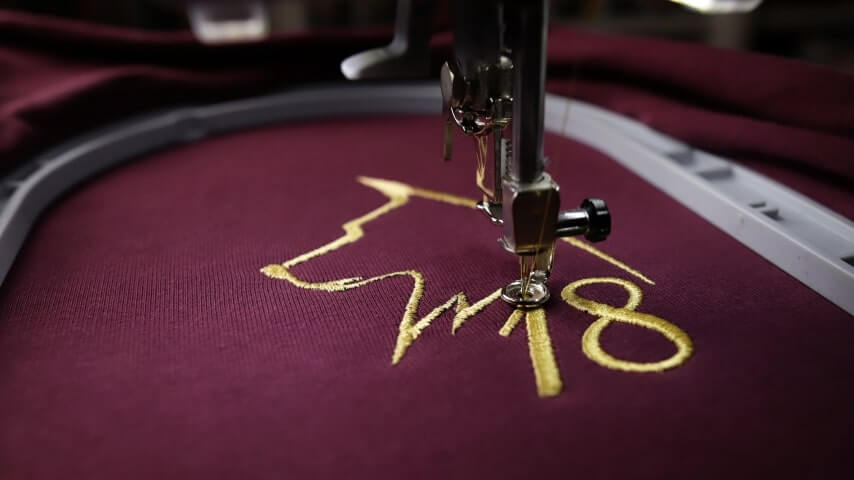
(406, 56)
(497, 162)
(527, 30)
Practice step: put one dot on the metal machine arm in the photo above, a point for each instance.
(497, 81)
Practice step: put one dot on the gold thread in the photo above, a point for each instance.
(480, 170)
(398, 195)
(546, 373)
(468, 312)
(409, 331)
(590, 341)
(389, 188)
(604, 256)
(511, 322)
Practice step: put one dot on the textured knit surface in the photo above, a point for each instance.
(138, 338)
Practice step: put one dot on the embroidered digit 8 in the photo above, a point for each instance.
(590, 342)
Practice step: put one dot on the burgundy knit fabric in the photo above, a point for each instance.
(791, 120)
(62, 78)
(138, 338)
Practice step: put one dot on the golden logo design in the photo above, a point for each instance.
(546, 373)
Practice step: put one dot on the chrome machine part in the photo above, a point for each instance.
(498, 80)
(535, 294)
(407, 55)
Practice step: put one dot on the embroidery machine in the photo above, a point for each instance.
(136, 311)
(496, 86)
(807, 240)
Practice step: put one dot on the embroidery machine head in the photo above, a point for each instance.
(497, 81)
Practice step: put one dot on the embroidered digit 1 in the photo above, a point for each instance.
(591, 344)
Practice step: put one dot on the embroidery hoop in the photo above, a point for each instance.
(803, 238)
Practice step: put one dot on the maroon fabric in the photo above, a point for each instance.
(62, 78)
(790, 120)
(139, 340)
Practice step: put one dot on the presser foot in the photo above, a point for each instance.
(530, 291)
(534, 295)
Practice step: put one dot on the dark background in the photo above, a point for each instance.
(820, 31)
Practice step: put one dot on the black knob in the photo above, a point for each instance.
(599, 219)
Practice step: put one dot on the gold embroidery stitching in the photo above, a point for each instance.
(546, 373)
(590, 341)
(511, 322)
(604, 256)
(468, 312)
(409, 329)
(543, 361)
